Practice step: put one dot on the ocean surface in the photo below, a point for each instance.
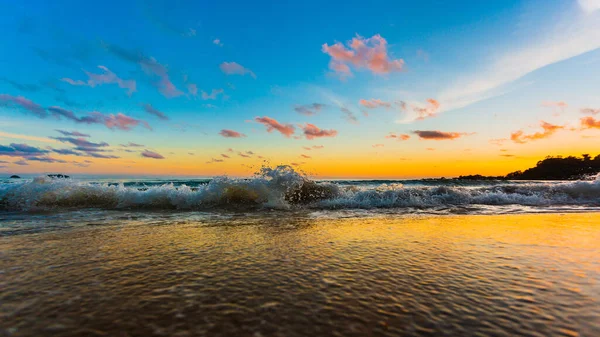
(280, 254)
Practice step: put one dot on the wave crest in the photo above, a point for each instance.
(282, 187)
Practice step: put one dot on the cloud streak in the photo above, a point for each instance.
(439, 135)
(549, 129)
(108, 77)
(273, 125)
(151, 154)
(153, 111)
(309, 109)
(231, 134)
(311, 131)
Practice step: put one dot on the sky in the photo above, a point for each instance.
(353, 89)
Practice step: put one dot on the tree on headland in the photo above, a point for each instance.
(560, 168)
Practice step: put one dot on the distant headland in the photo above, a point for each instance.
(551, 168)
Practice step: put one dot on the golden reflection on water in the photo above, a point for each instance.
(536, 274)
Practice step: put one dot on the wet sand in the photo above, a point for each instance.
(501, 275)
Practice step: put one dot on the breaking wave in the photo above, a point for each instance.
(284, 188)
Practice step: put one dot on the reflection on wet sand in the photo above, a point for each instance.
(535, 275)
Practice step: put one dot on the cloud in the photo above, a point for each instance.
(225, 156)
(399, 137)
(213, 160)
(151, 154)
(233, 68)
(589, 123)
(589, 6)
(21, 163)
(429, 110)
(377, 145)
(108, 77)
(150, 66)
(559, 104)
(349, 115)
(46, 160)
(192, 89)
(243, 155)
(439, 135)
(21, 150)
(305, 156)
(590, 111)
(374, 103)
(370, 53)
(549, 129)
(213, 95)
(24, 103)
(153, 111)
(285, 129)
(218, 42)
(111, 121)
(130, 144)
(66, 152)
(311, 131)
(309, 109)
(73, 133)
(231, 134)
(569, 36)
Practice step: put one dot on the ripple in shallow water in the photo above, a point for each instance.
(529, 275)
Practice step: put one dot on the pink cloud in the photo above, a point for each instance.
(374, 103)
(399, 137)
(218, 42)
(271, 124)
(225, 156)
(24, 103)
(233, 68)
(231, 134)
(430, 108)
(150, 154)
(549, 129)
(305, 156)
(311, 131)
(559, 104)
(192, 89)
(589, 123)
(108, 77)
(120, 121)
(377, 145)
(370, 53)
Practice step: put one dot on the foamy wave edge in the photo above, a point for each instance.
(283, 188)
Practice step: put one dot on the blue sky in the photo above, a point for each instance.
(491, 68)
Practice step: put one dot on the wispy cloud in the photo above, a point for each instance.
(213, 160)
(439, 135)
(285, 129)
(374, 103)
(21, 150)
(590, 111)
(153, 111)
(377, 145)
(571, 35)
(309, 109)
(218, 42)
(150, 66)
(399, 136)
(233, 68)
(151, 154)
(26, 137)
(111, 121)
(213, 94)
(22, 86)
(311, 131)
(231, 134)
(360, 53)
(108, 77)
(73, 133)
(549, 129)
(24, 103)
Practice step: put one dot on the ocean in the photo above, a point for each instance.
(280, 254)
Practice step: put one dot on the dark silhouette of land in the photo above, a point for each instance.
(552, 168)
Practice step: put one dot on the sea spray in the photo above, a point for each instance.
(282, 187)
